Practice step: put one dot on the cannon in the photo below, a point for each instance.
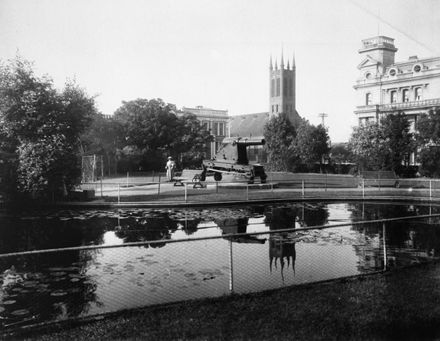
(232, 158)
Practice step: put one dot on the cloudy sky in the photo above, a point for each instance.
(214, 53)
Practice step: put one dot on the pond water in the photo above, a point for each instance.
(53, 286)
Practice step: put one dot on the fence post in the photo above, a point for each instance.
(247, 192)
(158, 187)
(430, 189)
(231, 268)
(303, 188)
(216, 187)
(186, 192)
(119, 193)
(385, 260)
(127, 179)
(363, 188)
(326, 175)
(153, 177)
(101, 188)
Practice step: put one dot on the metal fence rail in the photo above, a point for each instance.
(135, 189)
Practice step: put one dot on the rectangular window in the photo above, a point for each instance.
(405, 95)
(221, 129)
(418, 94)
(393, 96)
(277, 107)
(272, 88)
(214, 129)
(285, 86)
(368, 99)
(278, 87)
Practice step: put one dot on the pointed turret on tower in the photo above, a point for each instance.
(283, 90)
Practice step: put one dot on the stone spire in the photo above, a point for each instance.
(270, 65)
(282, 60)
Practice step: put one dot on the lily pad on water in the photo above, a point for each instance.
(30, 284)
(2, 309)
(20, 312)
(58, 293)
(58, 274)
(9, 302)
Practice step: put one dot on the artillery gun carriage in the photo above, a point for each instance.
(232, 158)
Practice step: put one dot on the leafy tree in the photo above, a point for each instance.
(398, 139)
(340, 153)
(367, 145)
(428, 140)
(193, 141)
(383, 146)
(312, 144)
(280, 135)
(154, 129)
(41, 127)
(103, 137)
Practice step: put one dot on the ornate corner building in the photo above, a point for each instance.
(385, 86)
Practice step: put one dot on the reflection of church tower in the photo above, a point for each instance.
(283, 89)
(283, 250)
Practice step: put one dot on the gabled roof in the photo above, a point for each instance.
(248, 124)
(368, 61)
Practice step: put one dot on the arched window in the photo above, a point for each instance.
(405, 95)
(393, 96)
(368, 98)
(417, 94)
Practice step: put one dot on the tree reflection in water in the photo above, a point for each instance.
(51, 286)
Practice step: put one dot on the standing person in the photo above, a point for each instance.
(170, 167)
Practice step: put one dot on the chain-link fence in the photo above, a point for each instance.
(52, 285)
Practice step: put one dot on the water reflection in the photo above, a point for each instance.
(52, 286)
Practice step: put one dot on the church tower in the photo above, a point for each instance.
(283, 89)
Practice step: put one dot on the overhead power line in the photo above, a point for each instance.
(394, 27)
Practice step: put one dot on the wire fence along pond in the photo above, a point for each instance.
(62, 265)
(294, 186)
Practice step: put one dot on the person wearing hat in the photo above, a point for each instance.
(170, 167)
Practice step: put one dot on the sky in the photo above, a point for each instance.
(214, 53)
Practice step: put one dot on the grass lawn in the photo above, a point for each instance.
(401, 304)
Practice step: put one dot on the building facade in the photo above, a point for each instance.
(216, 121)
(385, 86)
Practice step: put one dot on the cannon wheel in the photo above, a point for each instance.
(217, 176)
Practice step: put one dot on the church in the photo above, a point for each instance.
(282, 99)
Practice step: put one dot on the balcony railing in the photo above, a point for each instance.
(400, 106)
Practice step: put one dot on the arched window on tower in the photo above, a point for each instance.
(272, 88)
(285, 86)
(278, 87)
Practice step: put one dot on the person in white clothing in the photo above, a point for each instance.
(170, 167)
